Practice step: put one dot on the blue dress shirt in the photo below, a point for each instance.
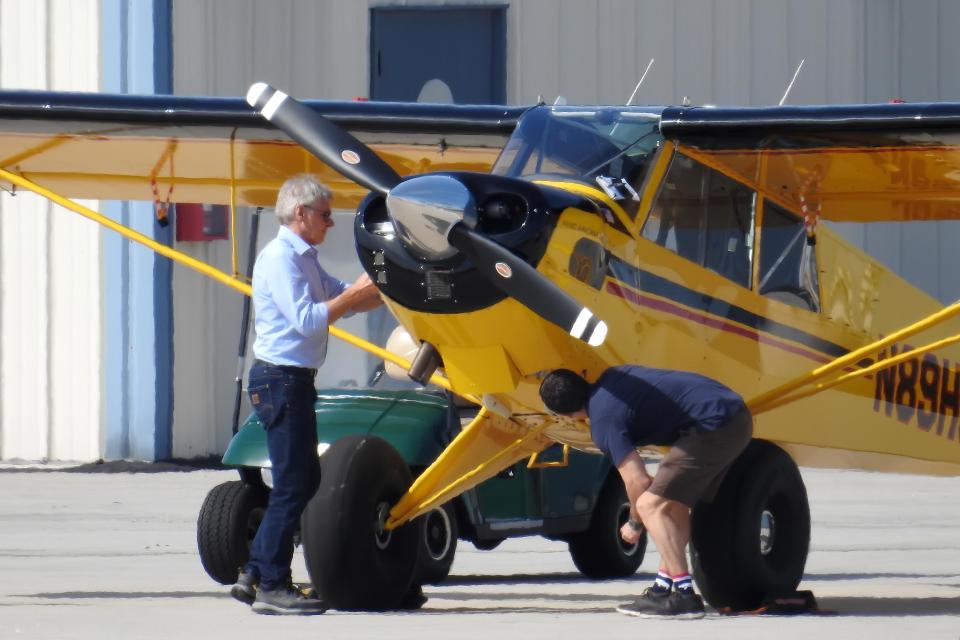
(290, 290)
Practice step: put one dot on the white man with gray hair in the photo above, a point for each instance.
(295, 300)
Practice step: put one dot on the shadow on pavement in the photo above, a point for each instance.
(124, 595)
(536, 578)
(816, 577)
(120, 466)
(467, 596)
(834, 606)
(886, 607)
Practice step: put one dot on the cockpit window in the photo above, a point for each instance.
(788, 262)
(705, 217)
(612, 143)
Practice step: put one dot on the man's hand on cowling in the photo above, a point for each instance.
(363, 294)
(364, 287)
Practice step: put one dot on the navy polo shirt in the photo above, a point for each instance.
(631, 406)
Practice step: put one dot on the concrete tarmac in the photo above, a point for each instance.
(113, 555)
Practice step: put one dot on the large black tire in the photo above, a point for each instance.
(228, 521)
(438, 544)
(599, 552)
(752, 541)
(353, 563)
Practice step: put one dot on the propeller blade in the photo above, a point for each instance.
(327, 141)
(528, 286)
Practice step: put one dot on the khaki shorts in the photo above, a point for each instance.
(695, 466)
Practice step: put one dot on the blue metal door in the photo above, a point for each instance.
(438, 54)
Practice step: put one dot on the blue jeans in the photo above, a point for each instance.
(283, 398)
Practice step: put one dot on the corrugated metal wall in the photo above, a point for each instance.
(589, 51)
(312, 49)
(720, 51)
(227, 46)
(712, 51)
(50, 305)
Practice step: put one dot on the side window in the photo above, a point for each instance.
(705, 217)
(788, 263)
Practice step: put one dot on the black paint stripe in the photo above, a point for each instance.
(647, 282)
(168, 110)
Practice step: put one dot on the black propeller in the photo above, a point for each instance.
(357, 162)
(338, 149)
(526, 285)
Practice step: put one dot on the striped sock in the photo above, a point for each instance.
(683, 582)
(663, 582)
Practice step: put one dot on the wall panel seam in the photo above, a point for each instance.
(48, 250)
(2, 273)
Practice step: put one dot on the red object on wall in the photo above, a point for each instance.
(201, 222)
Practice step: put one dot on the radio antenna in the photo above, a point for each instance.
(642, 78)
(635, 89)
(790, 86)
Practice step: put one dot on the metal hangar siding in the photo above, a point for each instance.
(85, 321)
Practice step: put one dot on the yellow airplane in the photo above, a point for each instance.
(676, 237)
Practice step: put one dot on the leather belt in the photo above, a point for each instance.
(304, 371)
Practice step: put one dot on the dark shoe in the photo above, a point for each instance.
(664, 604)
(245, 589)
(687, 604)
(287, 601)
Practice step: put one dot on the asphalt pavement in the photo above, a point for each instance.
(92, 555)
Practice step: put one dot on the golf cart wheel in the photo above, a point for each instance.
(599, 552)
(353, 561)
(751, 543)
(488, 544)
(438, 544)
(228, 521)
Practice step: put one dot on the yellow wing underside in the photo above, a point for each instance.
(202, 164)
(149, 164)
(857, 184)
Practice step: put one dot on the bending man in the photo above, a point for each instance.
(707, 424)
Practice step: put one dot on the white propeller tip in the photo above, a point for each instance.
(582, 324)
(599, 334)
(255, 91)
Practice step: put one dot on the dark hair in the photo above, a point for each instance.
(564, 391)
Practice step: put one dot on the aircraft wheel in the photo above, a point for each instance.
(599, 552)
(752, 541)
(353, 561)
(228, 521)
(439, 544)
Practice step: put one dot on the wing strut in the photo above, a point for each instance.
(795, 389)
(197, 265)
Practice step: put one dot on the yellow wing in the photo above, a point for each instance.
(183, 149)
(862, 163)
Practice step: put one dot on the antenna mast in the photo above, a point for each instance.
(642, 78)
(790, 86)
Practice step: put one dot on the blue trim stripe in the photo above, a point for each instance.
(138, 381)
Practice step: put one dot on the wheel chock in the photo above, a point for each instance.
(789, 604)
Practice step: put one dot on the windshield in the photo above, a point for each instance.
(581, 143)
